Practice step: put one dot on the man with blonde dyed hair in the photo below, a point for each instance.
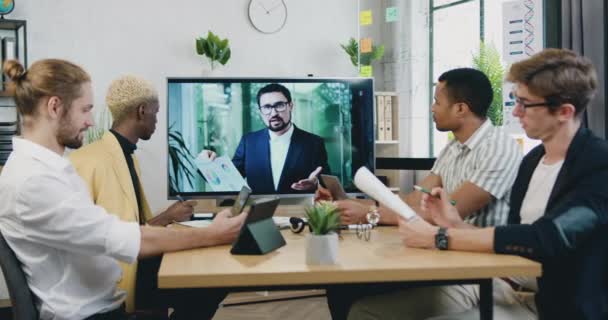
(111, 171)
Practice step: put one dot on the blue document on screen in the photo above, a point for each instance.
(221, 174)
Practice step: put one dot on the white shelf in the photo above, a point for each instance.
(387, 141)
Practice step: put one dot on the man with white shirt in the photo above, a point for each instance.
(558, 215)
(477, 168)
(68, 246)
(280, 158)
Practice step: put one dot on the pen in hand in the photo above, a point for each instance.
(179, 198)
(427, 191)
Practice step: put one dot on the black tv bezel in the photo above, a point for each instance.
(230, 194)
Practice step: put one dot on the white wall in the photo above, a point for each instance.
(155, 39)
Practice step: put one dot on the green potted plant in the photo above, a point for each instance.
(322, 243)
(488, 62)
(352, 49)
(214, 48)
(103, 121)
(180, 162)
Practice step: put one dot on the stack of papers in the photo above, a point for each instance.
(196, 223)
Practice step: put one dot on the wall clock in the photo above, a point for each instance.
(268, 16)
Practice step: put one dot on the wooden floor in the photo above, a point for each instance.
(300, 309)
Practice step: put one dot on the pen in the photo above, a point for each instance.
(179, 198)
(355, 226)
(427, 191)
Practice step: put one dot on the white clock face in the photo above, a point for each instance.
(268, 16)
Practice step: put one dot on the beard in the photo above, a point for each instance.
(68, 134)
(280, 124)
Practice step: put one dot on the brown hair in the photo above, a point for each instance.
(558, 75)
(45, 78)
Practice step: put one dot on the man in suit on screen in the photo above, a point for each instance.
(280, 158)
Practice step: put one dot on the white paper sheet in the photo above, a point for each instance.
(221, 174)
(368, 183)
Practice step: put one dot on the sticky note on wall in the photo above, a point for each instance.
(365, 17)
(365, 71)
(391, 14)
(365, 45)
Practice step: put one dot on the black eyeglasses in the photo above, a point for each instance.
(531, 105)
(279, 107)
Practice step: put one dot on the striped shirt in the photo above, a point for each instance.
(489, 159)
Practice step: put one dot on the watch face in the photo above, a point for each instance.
(441, 239)
(442, 243)
(268, 16)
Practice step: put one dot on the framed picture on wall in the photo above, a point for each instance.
(9, 51)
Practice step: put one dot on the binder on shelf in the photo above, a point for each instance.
(380, 135)
(388, 118)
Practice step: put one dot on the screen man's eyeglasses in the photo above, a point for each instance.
(279, 107)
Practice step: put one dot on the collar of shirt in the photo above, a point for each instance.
(126, 145)
(286, 137)
(474, 140)
(41, 153)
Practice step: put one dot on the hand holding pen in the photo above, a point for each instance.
(181, 210)
(441, 212)
(427, 191)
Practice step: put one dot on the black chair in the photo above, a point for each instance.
(22, 300)
(589, 294)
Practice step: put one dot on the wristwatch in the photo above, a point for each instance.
(441, 239)
(372, 216)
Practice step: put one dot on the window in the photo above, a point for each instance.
(456, 30)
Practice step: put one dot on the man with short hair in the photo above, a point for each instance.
(280, 158)
(111, 171)
(477, 168)
(68, 246)
(558, 213)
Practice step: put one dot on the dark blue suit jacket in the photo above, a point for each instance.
(571, 238)
(252, 159)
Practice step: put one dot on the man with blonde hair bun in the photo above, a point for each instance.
(112, 173)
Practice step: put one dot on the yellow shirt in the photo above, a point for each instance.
(103, 167)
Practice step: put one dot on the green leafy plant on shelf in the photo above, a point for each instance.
(323, 218)
(352, 49)
(180, 161)
(214, 48)
(103, 122)
(488, 62)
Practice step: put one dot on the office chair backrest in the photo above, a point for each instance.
(22, 301)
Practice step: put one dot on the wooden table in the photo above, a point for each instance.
(382, 259)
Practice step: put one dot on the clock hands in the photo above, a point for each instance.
(280, 3)
(261, 5)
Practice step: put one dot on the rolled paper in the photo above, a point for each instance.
(368, 183)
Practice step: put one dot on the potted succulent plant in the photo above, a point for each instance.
(214, 48)
(322, 242)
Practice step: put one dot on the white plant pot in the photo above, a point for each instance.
(322, 249)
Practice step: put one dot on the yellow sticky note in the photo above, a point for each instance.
(365, 71)
(365, 17)
(365, 45)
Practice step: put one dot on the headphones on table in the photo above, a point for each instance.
(297, 225)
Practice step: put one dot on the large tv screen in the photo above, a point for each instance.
(269, 134)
